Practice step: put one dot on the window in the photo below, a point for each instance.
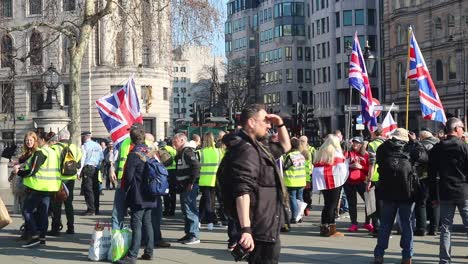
(401, 74)
(319, 75)
(7, 98)
(35, 46)
(183, 110)
(308, 75)
(6, 8)
(347, 17)
(289, 98)
(37, 95)
(346, 69)
(176, 100)
(372, 39)
(338, 71)
(337, 19)
(35, 7)
(338, 45)
(165, 93)
(307, 53)
(176, 110)
(313, 53)
(182, 69)
(439, 71)
(289, 75)
(183, 100)
(175, 90)
(300, 75)
(371, 17)
(288, 53)
(66, 94)
(299, 53)
(287, 9)
(348, 42)
(176, 69)
(359, 17)
(318, 52)
(438, 23)
(6, 49)
(452, 68)
(183, 79)
(68, 5)
(451, 21)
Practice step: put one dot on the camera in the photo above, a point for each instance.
(239, 253)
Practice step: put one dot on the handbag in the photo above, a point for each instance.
(100, 243)
(121, 240)
(62, 194)
(5, 218)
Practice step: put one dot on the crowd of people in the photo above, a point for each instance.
(257, 181)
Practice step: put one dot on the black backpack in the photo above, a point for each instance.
(399, 176)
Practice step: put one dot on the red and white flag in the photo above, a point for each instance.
(388, 125)
(330, 176)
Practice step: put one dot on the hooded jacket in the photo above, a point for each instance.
(251, 169)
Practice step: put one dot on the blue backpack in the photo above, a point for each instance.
(154, 177)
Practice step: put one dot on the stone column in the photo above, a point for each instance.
(107, 45)
(154, 47)
(127, 27)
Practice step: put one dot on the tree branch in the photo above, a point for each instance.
(59, 28)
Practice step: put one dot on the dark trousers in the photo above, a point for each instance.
(265, 253)
(330, 198)
(308, 197)
(207, 204)
(91, 192)
(378, 206)
(351, 191)
(170, 199)
(69, 211)
(220, 210)
(233, 230)
(39, 220)
(424, 210)
(140, 218)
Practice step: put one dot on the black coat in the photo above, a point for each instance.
(448, 170)
(133, 178)
(253, 171)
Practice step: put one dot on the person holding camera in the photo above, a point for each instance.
(259, 197)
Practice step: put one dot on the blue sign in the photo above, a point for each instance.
(359, 119)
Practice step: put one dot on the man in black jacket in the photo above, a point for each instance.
(187, 174)
(259, 194)
(448, 181)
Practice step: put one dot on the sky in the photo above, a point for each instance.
(219, 39)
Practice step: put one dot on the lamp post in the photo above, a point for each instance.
(51, 80)
(348, 127)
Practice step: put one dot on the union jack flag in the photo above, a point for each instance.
(359, 80)
(119, 111)
(431, 106)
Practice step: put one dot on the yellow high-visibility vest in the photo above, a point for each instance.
(123, 153)
(209, 161)
(173, 152)
(295, 175)
(47, 177)
(58, 148)
(374, 145)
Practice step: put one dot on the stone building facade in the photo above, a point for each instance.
(120, 46)
(441, 29)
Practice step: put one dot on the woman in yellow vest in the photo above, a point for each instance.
(41, 176)
(308, 152)
(294, 177)
(210, 157)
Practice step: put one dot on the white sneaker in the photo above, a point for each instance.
(209, 226)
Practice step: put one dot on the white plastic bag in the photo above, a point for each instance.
(121, 239)
(302, 206)
(5, 218)
(100, 243)
(369, 199)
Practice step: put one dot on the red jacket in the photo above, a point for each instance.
(358, 175)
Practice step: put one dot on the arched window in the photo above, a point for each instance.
(451, 21)
(439, 71)
(399, 40)
(35, 46)
(452, 68)
(6, 51)
(438, 23)
(401, 74)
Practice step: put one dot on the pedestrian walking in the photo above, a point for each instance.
(294, 174)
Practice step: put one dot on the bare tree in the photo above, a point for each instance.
(235, 94)
(190, 21)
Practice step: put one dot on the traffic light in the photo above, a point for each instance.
(193, 112)
(206, 115)
(309, 115)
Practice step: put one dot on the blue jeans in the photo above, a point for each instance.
(447, 212)
(387, 218)
(295, 193)
(119, 209)
(39, 201)
(156, 217)
(188, 203)
(344, 202)
(139, 218)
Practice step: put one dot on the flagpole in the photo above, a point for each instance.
(410, 31)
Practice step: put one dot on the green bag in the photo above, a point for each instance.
(121, 239)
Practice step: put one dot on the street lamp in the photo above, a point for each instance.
(51, 80)
(370, 59)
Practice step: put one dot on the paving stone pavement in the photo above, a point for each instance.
(301, 245)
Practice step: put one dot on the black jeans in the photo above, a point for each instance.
(424, 210)
(378, 206)
(233, 230)
(330, 198)
(170, 199)
(351, 190)
(265, 253)
(207, 204)
(89, 174)
(69, 211)
(308, 197)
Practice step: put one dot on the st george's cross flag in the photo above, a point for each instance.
(388, 125)
(431, 106)
(359, 80)
(330, 176)
(119, 111)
